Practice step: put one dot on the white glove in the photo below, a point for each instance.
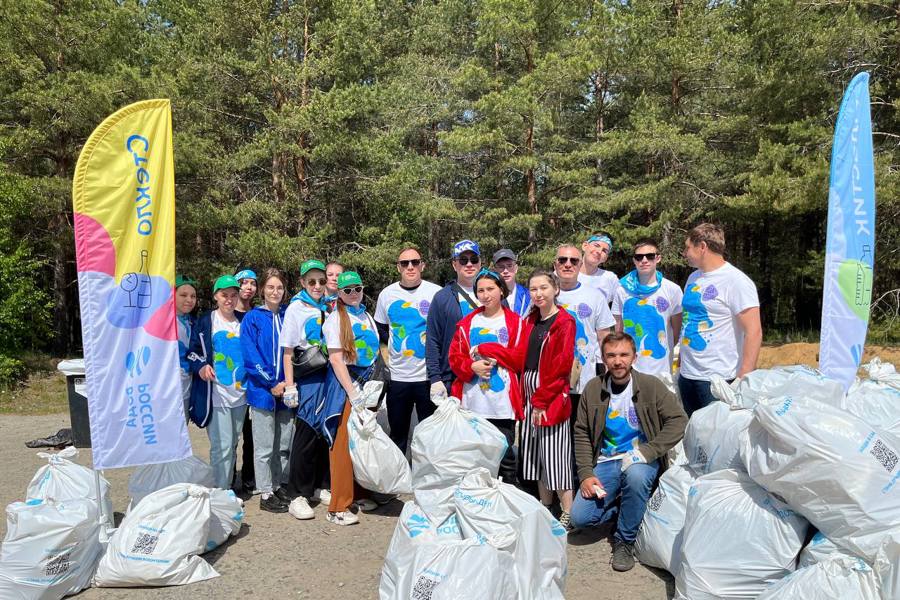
(438, 391)
(291, 397)
(632, 457)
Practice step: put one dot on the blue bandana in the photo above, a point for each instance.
(634, 287)
(356, 310)
(304, 296)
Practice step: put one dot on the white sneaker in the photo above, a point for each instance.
(300, 509)
(366, 505)
(342, 518)
(323, 496)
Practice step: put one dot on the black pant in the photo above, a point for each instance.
(247, 474)
(309, 461)
(508, 464)
(402, 396)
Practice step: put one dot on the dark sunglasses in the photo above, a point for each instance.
(648, 255)
(413, 261)
(352, 290)
(567, 259)
(465, 260)
(315, 281)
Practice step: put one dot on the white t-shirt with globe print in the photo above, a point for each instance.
(489, 397)
(405, 312)
(302, 326)
(647, 321)
(364, 334)
(591, 313)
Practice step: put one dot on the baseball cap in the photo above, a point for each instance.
(465, 246)
(504, 253)
(225, 282)
(348, 278)
(309, 265)
(181, 280)
(245, 274)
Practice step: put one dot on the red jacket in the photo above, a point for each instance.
(511, 357)
(554, 366)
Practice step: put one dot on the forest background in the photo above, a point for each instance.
(345, 129)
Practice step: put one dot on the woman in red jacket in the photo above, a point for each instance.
(486, 356)
(545, 440)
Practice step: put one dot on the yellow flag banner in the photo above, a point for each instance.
(124, 204)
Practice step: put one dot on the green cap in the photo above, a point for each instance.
(225, 282)
(311, 264)
(181, 280)
(348, 278)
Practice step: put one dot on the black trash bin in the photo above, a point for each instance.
(73, 369)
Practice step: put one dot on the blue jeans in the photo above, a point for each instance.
(695, 394)
(224, 429)
(634, 486)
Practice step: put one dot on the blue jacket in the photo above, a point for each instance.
(523, 301)
(199, 355)
(443, 315)
(261, 349)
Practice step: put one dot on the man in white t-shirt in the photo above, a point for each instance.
(596, 250)
(721, 331)
(647, 306)
(592, 317)
(400, 315)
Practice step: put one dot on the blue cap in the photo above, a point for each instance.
(245, 274)
(465, 246)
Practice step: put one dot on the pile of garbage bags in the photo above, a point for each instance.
(467, 533)
(788, 488)
(59, 541)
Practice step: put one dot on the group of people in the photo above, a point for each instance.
(576, 367)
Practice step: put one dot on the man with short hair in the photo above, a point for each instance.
(627, 421)
(597, 249)
(456, 300)
(506, 263)
(721, 332)
(247, 280)
(400, 315)
(647, 306)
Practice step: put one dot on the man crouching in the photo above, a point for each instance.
(627, 421)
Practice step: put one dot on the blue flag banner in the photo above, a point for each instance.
(850, 245)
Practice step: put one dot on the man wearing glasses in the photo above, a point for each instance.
(592, 317)
(507, 265)
(647, 306)
(400, 316)
(452, 303)
(597, 249)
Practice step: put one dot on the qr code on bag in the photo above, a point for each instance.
(702, 458)
(58, 566)
(145, 544)
(884, 455)
(424, 588)
(657, 499)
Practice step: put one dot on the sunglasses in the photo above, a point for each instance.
(648, 255)
(352, 290)
(316, 282)
(406, 263)
(567, 259)
(465, 260)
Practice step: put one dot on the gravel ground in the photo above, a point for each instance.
(276, 556)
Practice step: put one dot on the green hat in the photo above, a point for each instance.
(348, 278)
(311, 264)
(181, 280)
(225, 282)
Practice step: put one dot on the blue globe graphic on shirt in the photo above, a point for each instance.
(642, 320)
(227, 359)
(696, 317)
(581, 338)
(312, 329)
(408, 328)
(483, 335)
(366, 344)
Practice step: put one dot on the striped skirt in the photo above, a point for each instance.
(545, 453)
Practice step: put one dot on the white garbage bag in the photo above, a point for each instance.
(876, 399)
(677, 454)
(799, 381)
(887, 566)
(833, 468)
(714, 436)
(838, 576)
(445, 447)
(61, 479)
(658, 543)
(818, 549)
(157, 543)
(476, 569)
(378, 464)
(147, 479)
(486, 506)
(227, 512)
(51, 549)
(737, 540)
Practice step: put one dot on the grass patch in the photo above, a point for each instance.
(42, 393)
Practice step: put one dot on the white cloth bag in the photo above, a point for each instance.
(158, 542)
(738, 539)
(838, 576)
(486, 507)
(830, 466)
(61, 479)
(714, 436)
(445, 447)
(227, 514)
(147, 479)
(658, 543)
(51, 549)
(378, 465)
